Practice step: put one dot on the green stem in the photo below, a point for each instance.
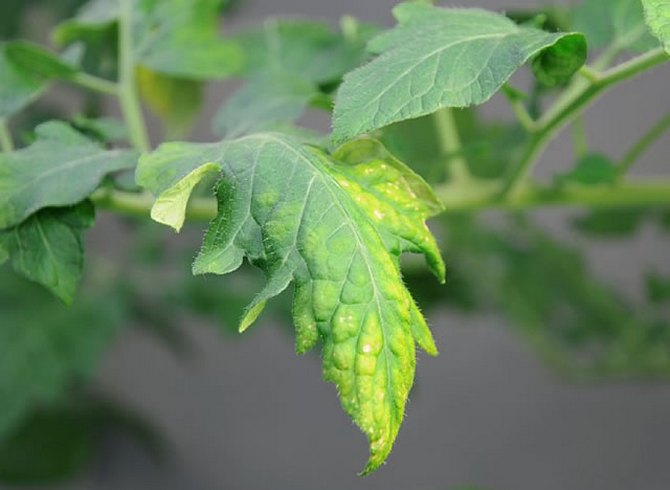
(450, 144)
(579, 136)
(132, 111)
(634, 193)
(573, 103)
(638, 149)
(96, 84)
(6, 143)
(456, 198)
(139, 204)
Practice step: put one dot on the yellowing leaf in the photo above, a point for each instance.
(335, 227)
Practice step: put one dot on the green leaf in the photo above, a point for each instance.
(47, 248)
(45, 345)
(60, 169)
(554, 67)
(180, 38)
(422, 69)
(612, 222)
(658, 288)
(49, 447)
(334, 225)
(657, 15)
(93, 18)
(39, 61)
(103, 129)
(264, 104)
(176, 101)
(592, 169)
(173, 37)
(306, 49)
(614, 22)
(18, 88)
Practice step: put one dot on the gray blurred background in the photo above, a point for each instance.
(249, 414)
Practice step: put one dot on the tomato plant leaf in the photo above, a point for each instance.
(60, 169)
(308, 49)
(335, 226)
(439, 57)
(176, 101)
(47, 248)
(180, 38)
(18, 88)
(264, 104)
(657, 15)
(173, 37)
(45, 345)
(33, 58)
(592, 169)
(614, 22)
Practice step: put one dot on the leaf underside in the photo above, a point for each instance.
(334, 225)
(437, 58)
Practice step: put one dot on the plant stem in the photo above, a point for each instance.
(638, 149)
(132, 111)
(579, 136)
(456, 198)
(6, 143)
(450, 144)
(634, 193)
(575, 100)
(96, 84)
(139, 204)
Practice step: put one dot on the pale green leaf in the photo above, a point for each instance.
(47, 248)
(306, 49)
(435, 58)
(177, 101)
(60, 169)
(17, 88)
(263, 104)
(614, 22)
(170, 207)
(657, 15)
(335, 226)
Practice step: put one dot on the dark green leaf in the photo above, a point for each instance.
(60, 169)
(49, 447)
(611, 223)
(658, 288)
(45, 345)
(555, 66)
(36, 60)
(420, 69)
(18, 88)
(592, 169)
(47, 247)
(657, 15)
(336, 226)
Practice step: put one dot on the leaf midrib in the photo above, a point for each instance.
(328, 185)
